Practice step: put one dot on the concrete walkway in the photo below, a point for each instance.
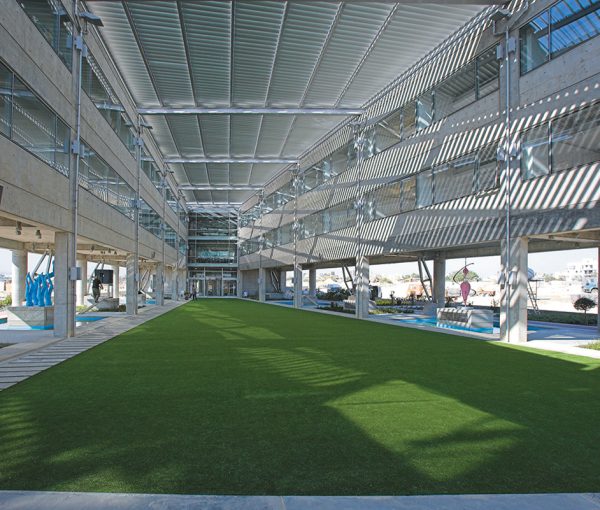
(24, 500)
(27, 358)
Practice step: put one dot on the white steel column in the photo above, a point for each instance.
(82, 284)
(312, 282)
(131, 285)
(439, 280)
(64, 290)
(362, 287)
(19, 274)
(297, 287)
(513, 295)
(115, 287)
(159, 291)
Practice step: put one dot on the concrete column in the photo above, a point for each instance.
(282, 278)
(131, 286)
(513, 297)
(298, 287)
(312, 282)
(439, 280)
(159, 290)
(19, 274)
(362, 287)
(82, 284)
(262, 285)
(64, 289)
(115, 287)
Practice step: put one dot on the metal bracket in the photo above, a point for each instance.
(138, 141)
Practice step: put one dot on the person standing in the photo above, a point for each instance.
(96, 286)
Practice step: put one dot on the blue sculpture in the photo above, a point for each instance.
(39, 286)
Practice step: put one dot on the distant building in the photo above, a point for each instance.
(582, 270)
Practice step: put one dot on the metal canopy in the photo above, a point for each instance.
(235, 90)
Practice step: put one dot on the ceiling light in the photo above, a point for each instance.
(18, 228)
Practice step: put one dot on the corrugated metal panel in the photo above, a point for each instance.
(267, 53)
(207, 27)
(159, 32)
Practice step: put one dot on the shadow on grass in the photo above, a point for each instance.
(233, 397)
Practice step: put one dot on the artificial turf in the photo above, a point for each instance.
(232, 397)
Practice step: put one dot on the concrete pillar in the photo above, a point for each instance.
(282, 279)
(82, 284)
(513, 295)
(131, 295)
(159, 290)
(19, 274)
(115, 286)
(64, 289)
(262, 285)
(298, 287)
(312, 282)
(362, 287)
(439, 280)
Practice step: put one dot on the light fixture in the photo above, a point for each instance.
(38, 233)
(90, 18)
(18, 228)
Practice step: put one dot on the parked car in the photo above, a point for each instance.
(590, 285)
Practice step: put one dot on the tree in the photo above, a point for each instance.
(584, 304)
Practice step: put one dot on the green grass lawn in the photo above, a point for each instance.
(232, 397)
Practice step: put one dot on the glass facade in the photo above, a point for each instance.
(51, 19)
(469, 83)
(26, 120)
(566, 142)
(104, 182)
(556, 30)
(95, 85)
(469, 174)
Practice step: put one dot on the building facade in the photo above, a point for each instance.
(489, 145)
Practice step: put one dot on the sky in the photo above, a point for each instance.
(548, 262)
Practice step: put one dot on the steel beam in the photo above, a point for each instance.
(200, 110)
(226, 187)
(227, 161)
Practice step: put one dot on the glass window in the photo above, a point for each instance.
(388, 132)
(487, 170)
(535, 43)
(62, 155)
(409, 194)
(534, 152)
(573, 22)
(409, 119)
(455, 92)
(576, 139)
(424, 188)
(488, 71)
(424, 110)
(34, 124)
(5, 100)
(455, 179)
(53, 22)
(387, 200)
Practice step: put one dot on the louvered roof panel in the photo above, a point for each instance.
(186, 131)
(402, 44)
(255, 41)
(304, 35)
(120, 40)
(247, 53)
(357, 26)
(207, 27)
(159, 31)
